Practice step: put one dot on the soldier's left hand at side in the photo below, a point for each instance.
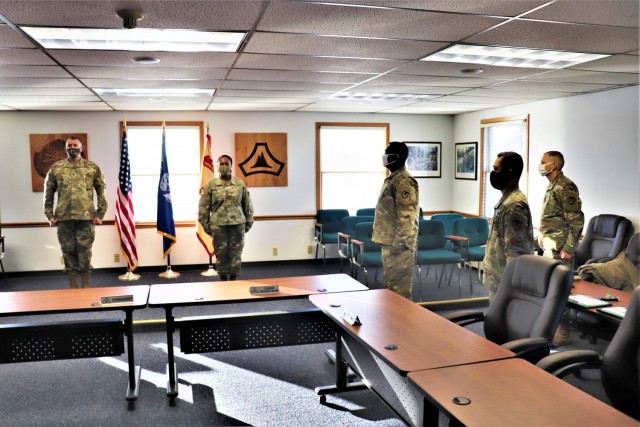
(97, 221)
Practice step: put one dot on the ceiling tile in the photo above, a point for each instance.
(227, 106)
(415, 89)
(10, 38)
(104, 58)
(50, 99)
(331, 19)
(298, 76)
(549, 86)
(557, 36)
(264, 100)
(152, 73)
(484, 7)
(272, 93)
(38, 82)
(308, 63)
(432, 81)
(576, 76)
(45, 91)
(347, 47)
(616, 64)
(521, 94)
(602, 12)
(24, 57)
(246, 84)
(33, 71)
(151, 84)
(431, 68)
(216, 15)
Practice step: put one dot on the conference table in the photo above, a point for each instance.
(582, 287)
(510, 392)
(204, 334)
(394, 338)
(41, 341)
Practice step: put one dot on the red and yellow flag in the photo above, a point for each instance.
(206, 174)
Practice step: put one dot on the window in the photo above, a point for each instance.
(498, 135)
(349, 172)
(183, 144)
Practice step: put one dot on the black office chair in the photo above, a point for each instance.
(326, 229)
(620, 365)
(527, 307)
(606, 236)
(590, 324)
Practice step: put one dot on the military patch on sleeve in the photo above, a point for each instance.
(571, 202)
(405, 194)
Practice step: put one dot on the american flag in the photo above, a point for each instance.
(206, 174)
(124, 206)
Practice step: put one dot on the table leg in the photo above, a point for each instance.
(342, 370)
(172, 385)
(134, 371)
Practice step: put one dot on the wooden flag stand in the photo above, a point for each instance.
(211, 271)
(129, 276)
(169, 274)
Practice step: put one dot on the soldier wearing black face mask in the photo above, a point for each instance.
(75, 180)
(511, 229)
(395, 226)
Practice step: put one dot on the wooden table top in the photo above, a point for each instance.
(582, 287)
(513, 392)
(183, 294)
(69, 300)
(425, 340)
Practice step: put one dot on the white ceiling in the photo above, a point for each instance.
(298, 53)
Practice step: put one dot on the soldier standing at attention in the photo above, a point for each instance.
(226, 213)
(75, 179)
(511, 228)
(561, 223)
(395, 225)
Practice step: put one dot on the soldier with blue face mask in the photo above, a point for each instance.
(561, 222)
(395, 225)
(226, 213)
(75, 180)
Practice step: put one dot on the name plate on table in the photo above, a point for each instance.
(618, 312)
(261, 290)
(117, 300)
(351, 318)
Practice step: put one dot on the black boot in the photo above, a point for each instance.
(224, 277)
(232, 277)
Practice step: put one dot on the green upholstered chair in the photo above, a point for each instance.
(347, 230)
(366, 253)
(472, 249)
(431, 250)
(326, 229)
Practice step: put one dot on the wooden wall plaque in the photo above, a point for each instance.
(48, 148)
(261, 159)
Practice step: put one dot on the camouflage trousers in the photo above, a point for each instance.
(228, 242)
(398, 270)
(76, 239)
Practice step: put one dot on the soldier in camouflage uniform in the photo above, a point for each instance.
(561, 223)
(511, 228)
(395, 225)
(75, 215)
(226, 213)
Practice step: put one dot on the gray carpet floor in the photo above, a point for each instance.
(263, 387)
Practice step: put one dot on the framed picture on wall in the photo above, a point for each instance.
(48, 148)
(466, 160)
(425, 159)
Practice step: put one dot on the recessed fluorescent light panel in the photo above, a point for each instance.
(348, 96)
(511, 56)
(155, 93)
(137, 39)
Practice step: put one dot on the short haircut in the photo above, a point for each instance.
(74, 138)
(557, 158)
(512, 160)
(227, 156)
(399, 148)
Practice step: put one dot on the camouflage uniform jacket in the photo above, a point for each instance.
(396, 219)
(225, 203)
(74, 181)
(561, 220)
(511, 236)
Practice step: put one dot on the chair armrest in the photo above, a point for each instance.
(344, 235)
(457, 238)
(565, 362)
(317, 231)
(531, 349)
(465, 317)
(599, 260)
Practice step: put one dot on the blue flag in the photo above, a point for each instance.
(166, 226)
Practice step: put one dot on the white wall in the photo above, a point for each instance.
(598, 136)
(36, 248)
